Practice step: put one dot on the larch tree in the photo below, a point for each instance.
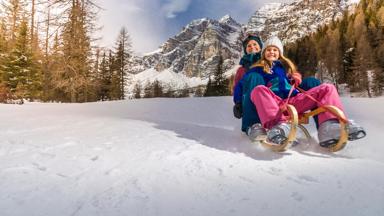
(76, 77)
(13, 11)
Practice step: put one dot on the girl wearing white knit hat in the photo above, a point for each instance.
(279, 74)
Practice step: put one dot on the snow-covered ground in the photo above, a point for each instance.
(174, 157)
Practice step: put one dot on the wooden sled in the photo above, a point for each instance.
(297, 121)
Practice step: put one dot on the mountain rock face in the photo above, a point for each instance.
(295, 20)
(195, 50)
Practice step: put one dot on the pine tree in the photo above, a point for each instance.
(377, 40)
(349, 57)
(123, 53)
(345, 47)
(306, 56)
(22, 73)
(114, 91)
(137, 91)
(3, 52)
(362, 63)
(167, 91)
(104, 79)
(5, 92)
(378, 77)
(157, 89)
(209, 91)
(148, 90)
(200, 91)
(54, 75)
(219, 86)
(184, 91)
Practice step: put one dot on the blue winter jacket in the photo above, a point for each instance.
(278, 81)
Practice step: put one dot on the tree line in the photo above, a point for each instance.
(48, 52)
(347, 51)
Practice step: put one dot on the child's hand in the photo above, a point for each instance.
(296, 79)
(238, 111)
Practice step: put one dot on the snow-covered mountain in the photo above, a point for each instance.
(176, 157)
(194, 53)
(291, 21)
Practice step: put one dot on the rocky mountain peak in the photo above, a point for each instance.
(195, 49)
(227, 19)
(291, 21)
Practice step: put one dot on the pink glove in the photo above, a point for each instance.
(296, 79)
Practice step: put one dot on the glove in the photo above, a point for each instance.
(238, 111)
(296, 79)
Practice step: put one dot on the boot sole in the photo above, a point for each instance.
(351, 137)
(356, 135)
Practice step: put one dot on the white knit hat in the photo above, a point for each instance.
(276, 42)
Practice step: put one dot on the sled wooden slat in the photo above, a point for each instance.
(304, 118)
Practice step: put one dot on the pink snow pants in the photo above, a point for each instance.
(268, 104)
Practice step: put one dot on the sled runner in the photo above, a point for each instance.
(298, 121)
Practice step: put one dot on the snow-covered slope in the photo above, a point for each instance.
(176, 157)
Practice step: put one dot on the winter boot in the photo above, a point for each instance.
(279, 133)
(329, 132)
(256, 132)
(355, 131)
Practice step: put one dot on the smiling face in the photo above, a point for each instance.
(252, 47)
(271, 53)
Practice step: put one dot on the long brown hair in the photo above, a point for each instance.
(266, 65)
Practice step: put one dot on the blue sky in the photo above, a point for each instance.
(151, 22)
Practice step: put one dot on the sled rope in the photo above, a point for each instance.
(283, 107)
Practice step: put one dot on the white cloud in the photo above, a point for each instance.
(131, 8)
(173, 7)
(145, 26)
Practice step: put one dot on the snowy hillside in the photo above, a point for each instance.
(173, 157)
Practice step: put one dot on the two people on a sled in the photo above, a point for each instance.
(263, 84)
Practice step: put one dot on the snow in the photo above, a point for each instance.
(225, 18)
(233, 37)
(271, 7)
(232, 70)
(159, 50)
(347, 3)
(178, 157)
(167, 76)
(196, 22)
